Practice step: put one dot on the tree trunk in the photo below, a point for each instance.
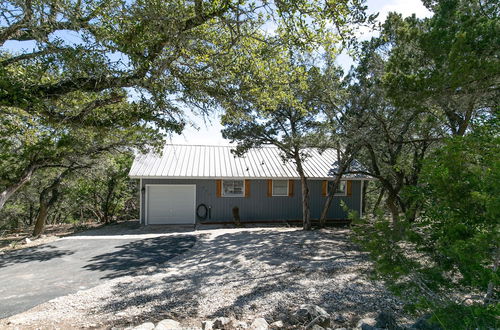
(46, 202)
(106, 207)
(306, 212)
(488, 298)
(41, 219)
(57, 218)
(10, 190)
(331, 192)
(30, 215)
(394, 209)
(363, 197)
(379, 200)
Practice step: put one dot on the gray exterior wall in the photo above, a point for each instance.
(258, 206)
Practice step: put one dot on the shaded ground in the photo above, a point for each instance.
(15, 240)
(35, 275)
(240, 273)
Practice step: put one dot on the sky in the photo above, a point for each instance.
(206, 131)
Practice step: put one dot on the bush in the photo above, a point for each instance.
(447, 259)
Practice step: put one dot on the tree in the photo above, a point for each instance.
(425, 81)
(93, 189)
(128, 65)
(48, 197)
(448, 62)
(105, 189)
(339, 130)
(434, 84)
(391, 139)
(276, 105)
(31, 143)
(160, 49)
(448, 260)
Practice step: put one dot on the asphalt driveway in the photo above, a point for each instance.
(32, 276)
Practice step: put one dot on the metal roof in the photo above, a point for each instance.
(209, 162)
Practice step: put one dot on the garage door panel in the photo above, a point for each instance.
(171, 204)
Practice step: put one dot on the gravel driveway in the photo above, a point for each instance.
(239, 273)
(35, 275)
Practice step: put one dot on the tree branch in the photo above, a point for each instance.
(8, 32)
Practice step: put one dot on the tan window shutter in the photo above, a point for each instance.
(218, 192)
(269, 188)
(324, 188)
(290, 188)
(247, 188)
(349, 188)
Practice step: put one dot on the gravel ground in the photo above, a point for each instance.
(238, 273)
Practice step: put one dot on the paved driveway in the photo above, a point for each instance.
(32, 276)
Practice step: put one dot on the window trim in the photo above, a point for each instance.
(337, 193)
(237, 196)
(287, 188)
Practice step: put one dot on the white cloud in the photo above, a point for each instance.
(404, 7)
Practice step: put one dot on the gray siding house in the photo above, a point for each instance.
(190, 184)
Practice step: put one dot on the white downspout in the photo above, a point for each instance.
(140, 201)
(361, 199)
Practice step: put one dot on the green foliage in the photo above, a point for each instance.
(278, 103)
(459, 316)
(447, 62)
(449, 256)
(462, 206)
(104, 75)
(100, 192)
(431, 86)
(105, 189)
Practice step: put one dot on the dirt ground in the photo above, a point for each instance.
(237, 273)
(17, 239)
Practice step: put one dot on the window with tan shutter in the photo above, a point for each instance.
(233, 188)
(341, 188)
(280, 187)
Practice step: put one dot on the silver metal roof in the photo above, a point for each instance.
(210, 162)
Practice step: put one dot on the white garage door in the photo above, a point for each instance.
(170, 204)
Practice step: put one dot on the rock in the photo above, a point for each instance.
(366, 322)
(26, 241)
(316, 327)
(168, 324)
(386, 320)
(222, 323)
(241, 325)
(121, 314)
(423, 324)
(277, 325)
(145, 326)
(259, 324)
(207, 325)
(152, 268)
(365, 326)
(321, 320)
(340, 318)
(307, 313)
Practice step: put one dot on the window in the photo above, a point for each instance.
(233, 188)
(341, 189)
(280, 187)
